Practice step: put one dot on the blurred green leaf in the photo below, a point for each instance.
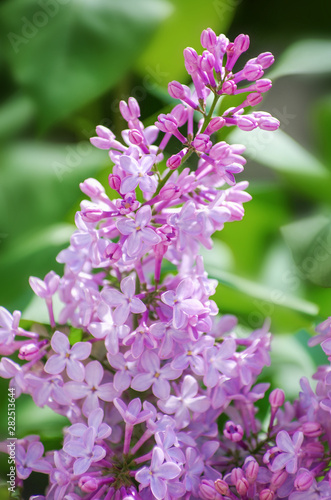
(39, 182)
(163, 60)
(280, 152)
(304, 57)
(290, 361)
(310, 242)
(283, 154)
(322, 126)
(67, 54)
(15, 114)
(34, 254)
(262, 292)
(32, 419)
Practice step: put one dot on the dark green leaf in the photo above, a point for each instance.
(163, 61)
(310, 243)
(67, 53)
(304, 57)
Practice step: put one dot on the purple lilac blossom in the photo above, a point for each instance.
(160, 390)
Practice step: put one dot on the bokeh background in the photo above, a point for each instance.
(66, 64)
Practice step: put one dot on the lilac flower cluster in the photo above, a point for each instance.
(160, 391)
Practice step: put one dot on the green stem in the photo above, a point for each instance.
(210, 114)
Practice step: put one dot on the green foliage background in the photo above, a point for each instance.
(66, 64)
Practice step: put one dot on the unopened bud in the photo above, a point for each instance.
(242, 486)
(267, 494)
(277, 398)
(222, 487)
(88, 484)
(311, 429)
(304, 480)
(114, 182)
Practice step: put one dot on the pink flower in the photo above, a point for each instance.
(290, 449)
(154, 376)
(67, 357)
(158, 474)
(138, 173)
(186, 401)
(138, 231)
(92, 389)
(124, 302)
(182, 305)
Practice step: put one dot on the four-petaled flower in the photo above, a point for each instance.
(67, 357)
(290, 450)
(124, 302)
(158, 474)
(137, 173)
(85, 451)
(182, 303)
(138, 231)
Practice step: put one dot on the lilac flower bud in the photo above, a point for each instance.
(242, 486)
(105, 138)
(207, 61)
(114, 182)
(167, 123)
(208, 39)
(176, 90)
(92, 188)
(266, 494)
(88, 484)
(215, 124)
(233, 432)
(276, 398)
(251, 469)
(202, 143)
(113, 252)
(229, 87)
(304, 480)
(263, 85)
(180, 113)
(130, 111)
(222, 487)
(311, 429)
(269, 123)
(278, 478)
(235, 49)
(241, 43)
(135, 137)
(252, 72)
(94, 215)
(265, 59)
(207, 489)
(191, 60)
(169, 191)
(246, 123)
(236, 474)
(30, 351)
(314, 450)
(254, 99)
(174, 161)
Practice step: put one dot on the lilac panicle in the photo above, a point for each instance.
(155, 364)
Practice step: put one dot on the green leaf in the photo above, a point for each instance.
(322, 126)
(15, 114)
(310, 243)
(304, 57)
(31, 255)
(163, 60)
(262, 292)
(68, 53)
(281, 153)
(39, 183)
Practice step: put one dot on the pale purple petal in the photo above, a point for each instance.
(150, 236)
(142, 382)
(107, 392)
(129, 184)
(75, 370)
(60, 343)
(137, 306)
(81, 350)
(93, 373)
(143, 216)
(121, 313)
(55, 364)
(125, 226)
